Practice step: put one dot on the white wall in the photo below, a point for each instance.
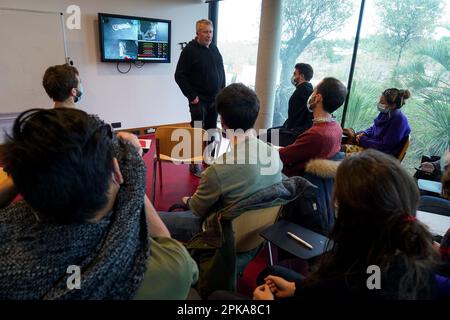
(143, 97)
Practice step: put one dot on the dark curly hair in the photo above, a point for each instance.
(61, 162)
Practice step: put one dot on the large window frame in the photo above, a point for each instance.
(353, 85)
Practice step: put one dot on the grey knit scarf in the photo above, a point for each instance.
(111, 254)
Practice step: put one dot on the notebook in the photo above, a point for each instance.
(431, 186)
(278, 234)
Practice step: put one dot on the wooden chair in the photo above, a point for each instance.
(181, 145)
(250, 224)
(402, 152)
(247, 228)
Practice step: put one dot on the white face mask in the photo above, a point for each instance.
(309, 104)
(382, 108)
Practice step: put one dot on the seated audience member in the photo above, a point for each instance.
(389, 130)
(63, 84)
(323, 139)
(442, 206)
(376, 201)
(84, 216)
(433, 203)
(250, 166)
(299, 118)
(436, 168)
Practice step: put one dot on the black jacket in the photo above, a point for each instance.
(299, 118)
(200, 71)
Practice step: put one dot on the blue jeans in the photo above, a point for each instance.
(183, 225)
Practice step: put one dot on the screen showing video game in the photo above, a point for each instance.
(125, 38)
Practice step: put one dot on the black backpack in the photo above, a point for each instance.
(307, 211)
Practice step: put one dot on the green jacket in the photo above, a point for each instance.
(213, 249)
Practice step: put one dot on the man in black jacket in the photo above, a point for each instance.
(200, 75)
(299, 117)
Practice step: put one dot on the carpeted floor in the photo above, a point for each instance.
(177, 181)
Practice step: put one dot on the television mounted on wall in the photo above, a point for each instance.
(130, 38)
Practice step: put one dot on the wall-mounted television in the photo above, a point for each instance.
(129, 38)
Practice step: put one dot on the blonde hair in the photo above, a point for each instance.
(203, 22)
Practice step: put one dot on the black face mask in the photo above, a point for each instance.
(79, 94)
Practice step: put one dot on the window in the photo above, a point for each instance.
(403, 45)
(237, 39)
(320, 33)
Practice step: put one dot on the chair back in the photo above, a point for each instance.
(250, 224)
(180, 143)
(405, 147)
(434, 204)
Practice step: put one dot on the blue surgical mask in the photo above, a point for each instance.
(382, 108)
(309, 104)
(79, 93)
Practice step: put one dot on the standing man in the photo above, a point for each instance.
(200, 75)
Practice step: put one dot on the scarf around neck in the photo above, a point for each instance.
(111, 254)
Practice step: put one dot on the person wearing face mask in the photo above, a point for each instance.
(389, 130)
(299, 119)
(323, 139)
(63, 84)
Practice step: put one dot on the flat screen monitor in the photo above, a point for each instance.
(129, 38)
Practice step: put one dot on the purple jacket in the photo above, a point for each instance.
(387, 134)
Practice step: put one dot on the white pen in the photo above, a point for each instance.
(306, 244)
